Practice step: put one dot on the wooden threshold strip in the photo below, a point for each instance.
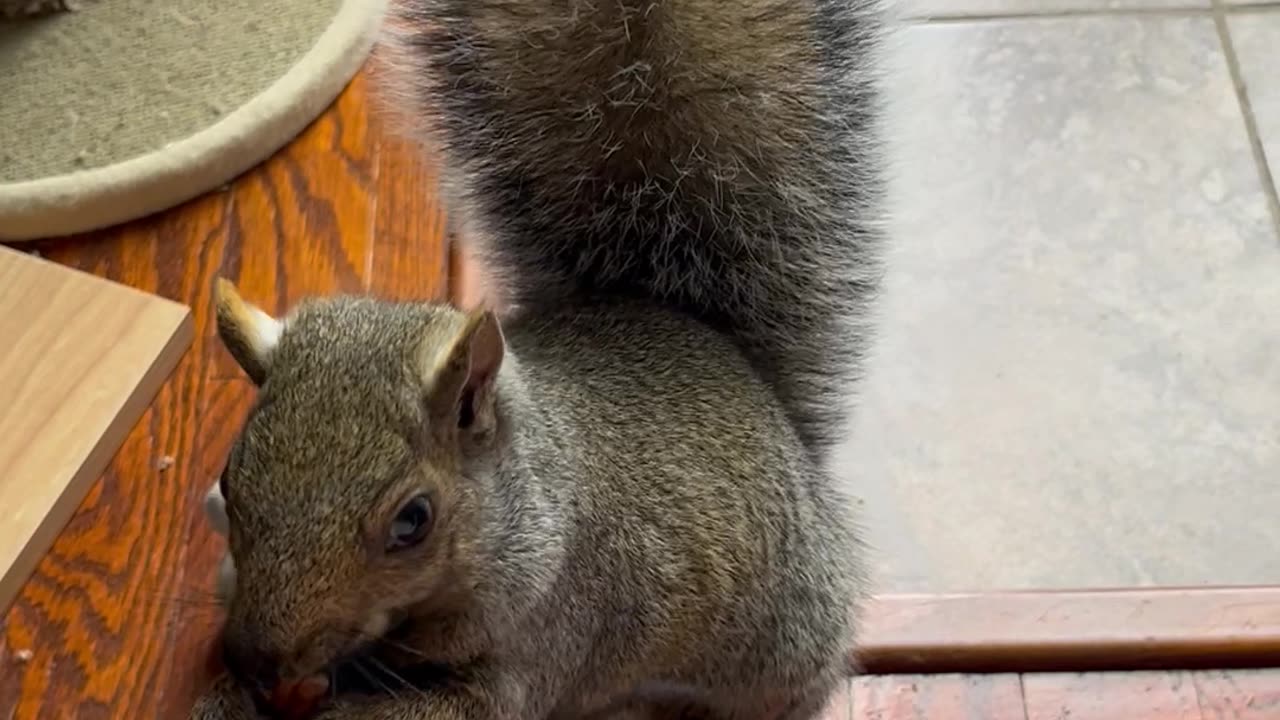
(1084, 630)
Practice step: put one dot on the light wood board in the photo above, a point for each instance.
(80, 360)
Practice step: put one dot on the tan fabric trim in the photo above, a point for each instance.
(106, 196)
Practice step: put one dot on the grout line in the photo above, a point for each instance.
(1246, 111)
(1022, 695)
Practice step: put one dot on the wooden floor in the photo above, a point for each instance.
(118, 619)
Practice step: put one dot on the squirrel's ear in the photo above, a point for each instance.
(249, 334)
(460, 378)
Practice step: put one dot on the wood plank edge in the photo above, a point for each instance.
(98, 458)
(22, 255)
(1071, 631)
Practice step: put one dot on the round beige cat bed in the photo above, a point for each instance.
(121, 108)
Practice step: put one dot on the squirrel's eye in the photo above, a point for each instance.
(411, 524)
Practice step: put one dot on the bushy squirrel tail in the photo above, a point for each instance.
(719, 157)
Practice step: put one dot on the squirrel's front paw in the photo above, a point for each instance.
(215, 508)
(226, 583)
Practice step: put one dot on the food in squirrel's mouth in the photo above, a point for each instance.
(299, 699)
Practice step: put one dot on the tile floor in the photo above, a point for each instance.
(1078, 377)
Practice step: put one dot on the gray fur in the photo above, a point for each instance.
(718, 157)
(679, 198)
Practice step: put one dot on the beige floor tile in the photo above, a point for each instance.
(1078, 379)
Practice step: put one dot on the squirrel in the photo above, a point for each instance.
(616, 496)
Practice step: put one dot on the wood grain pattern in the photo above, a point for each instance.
(1166, 628)
(118, 619)
(80, 361)
(410, 257)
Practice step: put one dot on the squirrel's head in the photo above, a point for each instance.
(347, 493)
